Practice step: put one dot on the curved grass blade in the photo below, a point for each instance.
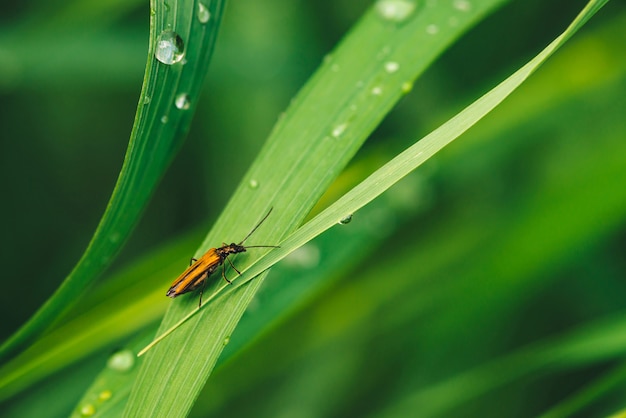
(166, 106)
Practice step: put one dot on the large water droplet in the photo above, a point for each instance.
(203, 13)
(170, 47)
(254, 184)
(164, 119)
(182, 101)
(395, 10)
(122, 361)
(146, 100)
(226, 340)
(377, 91)
(406, 87)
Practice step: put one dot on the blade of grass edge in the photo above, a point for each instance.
(151, 148)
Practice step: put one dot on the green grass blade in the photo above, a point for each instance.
(158, 131)
(324, 127)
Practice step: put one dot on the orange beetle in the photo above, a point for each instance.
(199, 271)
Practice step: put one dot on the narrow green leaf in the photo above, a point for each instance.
(160, 126)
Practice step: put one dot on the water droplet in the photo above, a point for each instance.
(227, 340)
(462, 5)
(391, 67)
(395, 10)
(345, 220)
(334, 68)
(146, 100)
(339, 130)
(353, 107)
(453, 21)
(105, 395)
(432, 29)
(182, 101)
(359, 84)
(407, 86)
(122, 361)
(377, 91)
(203, 13)
(87, 410)
(170, 47)
(254, 184)
(327, 58)
(164, 119)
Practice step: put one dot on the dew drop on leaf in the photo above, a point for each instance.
(203, 13)
(121, 361)
(170, 47)
(182, 101)
(345, 220)
(395, 10)
(87, 410)
(391, 67)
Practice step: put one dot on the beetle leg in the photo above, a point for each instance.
(206, 279)
(224, 272)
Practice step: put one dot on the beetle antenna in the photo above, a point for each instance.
(257, 226)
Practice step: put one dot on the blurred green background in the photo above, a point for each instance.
(476, 267)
